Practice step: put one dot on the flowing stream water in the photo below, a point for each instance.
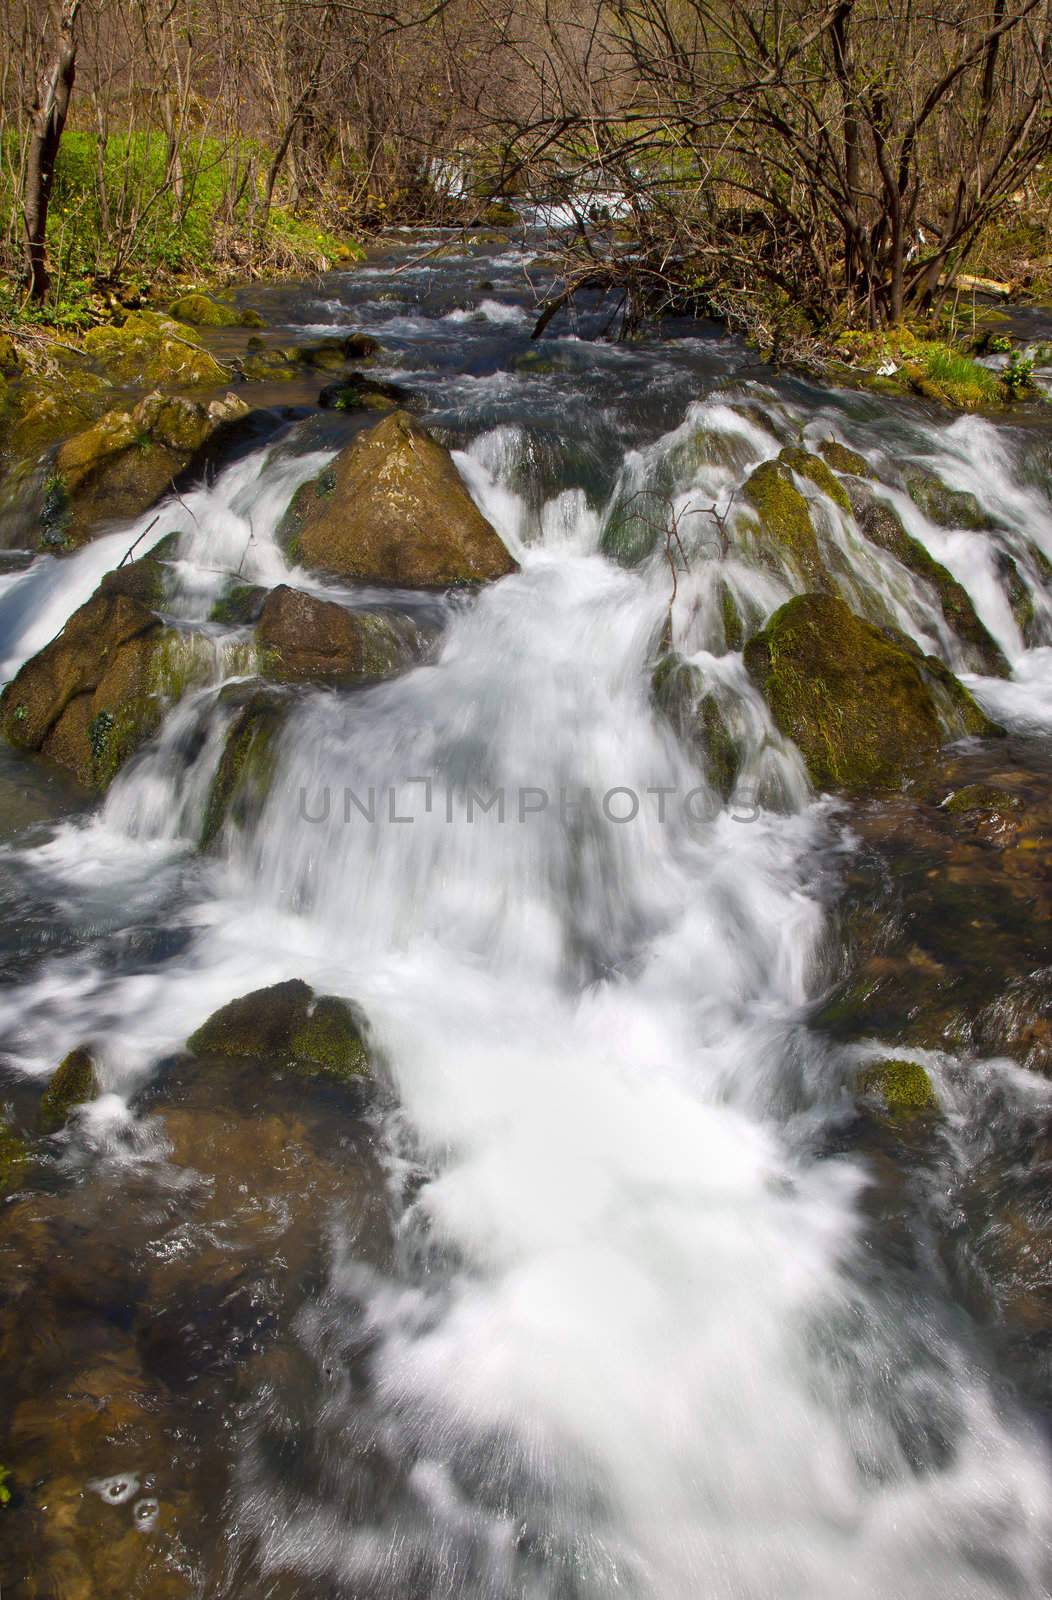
(618, 1319)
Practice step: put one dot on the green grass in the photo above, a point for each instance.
(116, 218)
(956, 372)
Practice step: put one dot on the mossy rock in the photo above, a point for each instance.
(844, 460)
(238, 605)
(946, 507)
(853, 697)
(287, 1027)
(392, 508)
(269, 366)
(499, 215)
(695, 715)
(243, 777)
(41, 411)
(784, 535)
(358, 392)
(149, 348)
(94, 694)
(981, 797)
(330, 355)
(73, 1083)
(1020, 598)
(959, 712)
(882, 525)
(127, 460)
(202, 311)
(903, 1086)
(303, 638)
(815, 470)
(731, 617)
(14, 1160)
(145, 580)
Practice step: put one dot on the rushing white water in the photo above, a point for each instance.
(644, 1357)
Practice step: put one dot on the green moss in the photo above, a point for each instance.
(679, 692)
(948, 508)
(959, 712)
(73, 1083)
(56, 510)
(246, 768)
(981, 797)
(842, 459)
(817, 472)
(239, 605)
(330, 1044)
(5, 1492)
(201, 311)
(904, 1087)
(14, 1159)
(851, 696)
(733, 626)
(288, 1027)
(787, 534)
(883, 526)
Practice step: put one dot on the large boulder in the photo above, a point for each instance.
(289, 1027)
(97, 691)
(861, 702)
(949, 508)
(883, 526)
(392, 508)
(117, 468)
(150, 348)
(301, 637)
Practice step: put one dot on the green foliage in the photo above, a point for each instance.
(118, 217)
(1019, 373)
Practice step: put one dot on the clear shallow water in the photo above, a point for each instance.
(631, 1332)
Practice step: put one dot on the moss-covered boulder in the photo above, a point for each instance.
(117, 468)
(392, 508)
(861, 703)
(203, 311)
(777, 528)
(301, 637)
(287, 1026)
(883, 526)
(45, 409)
(948, 508)
(243, 777)
(94, 694)
(903, 1088)
(148, 348)
(844, 460)
(74, 1082)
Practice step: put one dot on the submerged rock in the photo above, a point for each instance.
(392, 508)
(883, 526)
(14, 1160)
(290, 1027)
(238, 605)
(73, 1083)
(861, 703)
(117, 468)
(812, 467)
(301, 637)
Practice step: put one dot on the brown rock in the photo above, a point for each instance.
(392, 508)
(304, 637)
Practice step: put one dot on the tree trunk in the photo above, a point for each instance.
(49, 119)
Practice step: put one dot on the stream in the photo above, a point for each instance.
(610, 1283)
